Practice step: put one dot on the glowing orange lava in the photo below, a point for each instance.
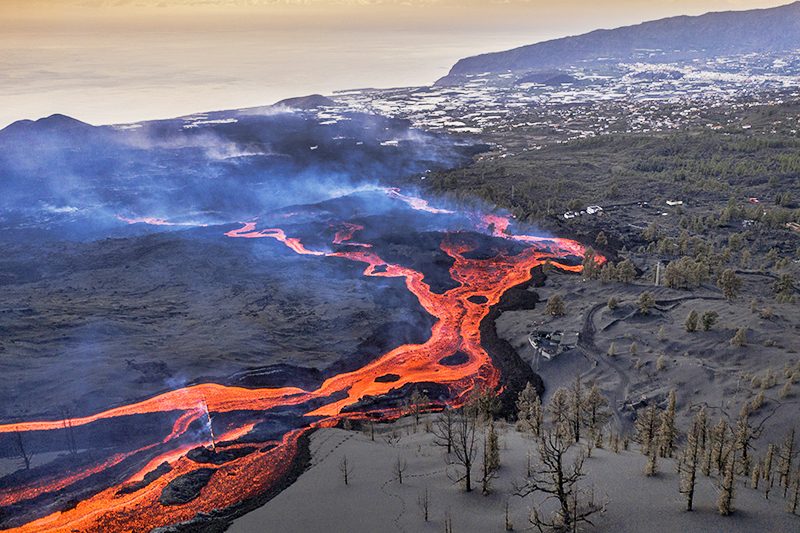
(456, 329)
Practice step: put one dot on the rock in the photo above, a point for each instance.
(186, 488)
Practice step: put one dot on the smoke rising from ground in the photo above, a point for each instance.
(61, 175)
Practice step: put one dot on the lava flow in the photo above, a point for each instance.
(243, 478)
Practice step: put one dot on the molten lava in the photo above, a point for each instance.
(456, 330)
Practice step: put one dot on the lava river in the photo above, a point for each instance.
(246, 477)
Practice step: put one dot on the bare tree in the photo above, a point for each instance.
(345, 468)
(465, 442)
(557, 478)
(399, 466)
(416, 405)
(69, 430)
(424, 502)
(443, 429)
(21, 451)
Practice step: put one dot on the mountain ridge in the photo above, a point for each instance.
(673, 38)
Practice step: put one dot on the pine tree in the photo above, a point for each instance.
(491, 459)
(745, 435)
(652, 462)
(730, 284)
(530, 414)
(739, 338)
(559, 407)
(597, 414)
(690, 459)
(576, 408)
(590, 268)
(719, 442)
(647, 422)
(725, 499)
(667, 432)
(646, 302)
(792, 506)
(626, 272)
(691, 321)
(708, 319)
(786, 457)
(766, 471)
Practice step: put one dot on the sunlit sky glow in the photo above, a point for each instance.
(111, 61)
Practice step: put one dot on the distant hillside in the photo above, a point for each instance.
(723, 33)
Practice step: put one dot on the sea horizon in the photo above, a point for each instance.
(121, 78)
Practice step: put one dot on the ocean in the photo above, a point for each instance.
(118, 78)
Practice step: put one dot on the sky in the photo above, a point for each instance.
(118, 61)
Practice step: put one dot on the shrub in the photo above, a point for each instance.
(555, 305)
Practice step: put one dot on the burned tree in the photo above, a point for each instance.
(444, 429)
(398, 468)
(21, 451)
(465, 442)
(345, 468)
(416, 405)
(557, 477)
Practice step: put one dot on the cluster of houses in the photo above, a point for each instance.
(549, 344)
(591, 210)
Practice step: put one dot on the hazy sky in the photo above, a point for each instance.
(564, 16)
(116, 61)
